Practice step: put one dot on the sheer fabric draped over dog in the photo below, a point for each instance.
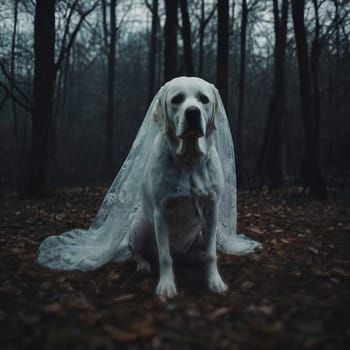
(108, 236)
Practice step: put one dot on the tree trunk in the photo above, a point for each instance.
(186, 36)
(153, 51)
(201, 39)
(315, 70)
(109, 147)
(311, 168)
(170, 38)
(203, 22)
(44, 80)
(271, 156)
(240, 163)
(13, 79)
(222, 50)
(12, 70)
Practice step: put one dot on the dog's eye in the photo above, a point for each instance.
(204, 99)
(177, 99)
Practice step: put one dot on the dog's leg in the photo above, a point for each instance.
(142, 265)
(140, 231)
(166, 285)
(215, 282)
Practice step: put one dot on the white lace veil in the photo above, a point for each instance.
(108, 236)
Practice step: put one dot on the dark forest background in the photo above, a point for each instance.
(76, 78)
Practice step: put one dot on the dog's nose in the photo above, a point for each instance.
(193, 115)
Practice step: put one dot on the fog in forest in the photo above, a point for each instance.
(76, 78)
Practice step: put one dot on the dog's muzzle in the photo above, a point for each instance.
(193, 123)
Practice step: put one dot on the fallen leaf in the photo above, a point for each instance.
(255, 230)
(54, 308)
(313, 250)
(263, 309)
(218, 313)
(247, 285)
(121, 334)
(277, 230)
(269, 328)
(113, 276)
(125, 297)
(192, 313)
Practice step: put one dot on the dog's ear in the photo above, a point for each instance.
(216, 112)
(159, 111)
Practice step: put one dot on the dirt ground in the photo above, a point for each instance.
(293, 294)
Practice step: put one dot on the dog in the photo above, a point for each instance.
(183, 184)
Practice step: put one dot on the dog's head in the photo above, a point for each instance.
(187, 108)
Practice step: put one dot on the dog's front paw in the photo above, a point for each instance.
(143, 266)
(166, 288)
(216, 284)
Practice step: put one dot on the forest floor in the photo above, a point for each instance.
(293, 294)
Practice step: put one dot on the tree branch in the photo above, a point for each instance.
(66, 49)
(15, 98)
(13, 84)
(104, 23)
(124, 16)
(148, 5)
(206, 21)
(3, 101)
(66, 29)
(331, 27)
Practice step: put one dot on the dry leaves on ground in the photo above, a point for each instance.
(293, 294)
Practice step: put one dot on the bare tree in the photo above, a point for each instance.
(311, 168)
(315, 68)
(44, 80)
(110, 33)
(222, 50)
(170, 37)
(152, 55)
(12, 73)
(244, 21)
(45, 72)
(186, 36)
(257, 44)
(271, 155)
(203, 22)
